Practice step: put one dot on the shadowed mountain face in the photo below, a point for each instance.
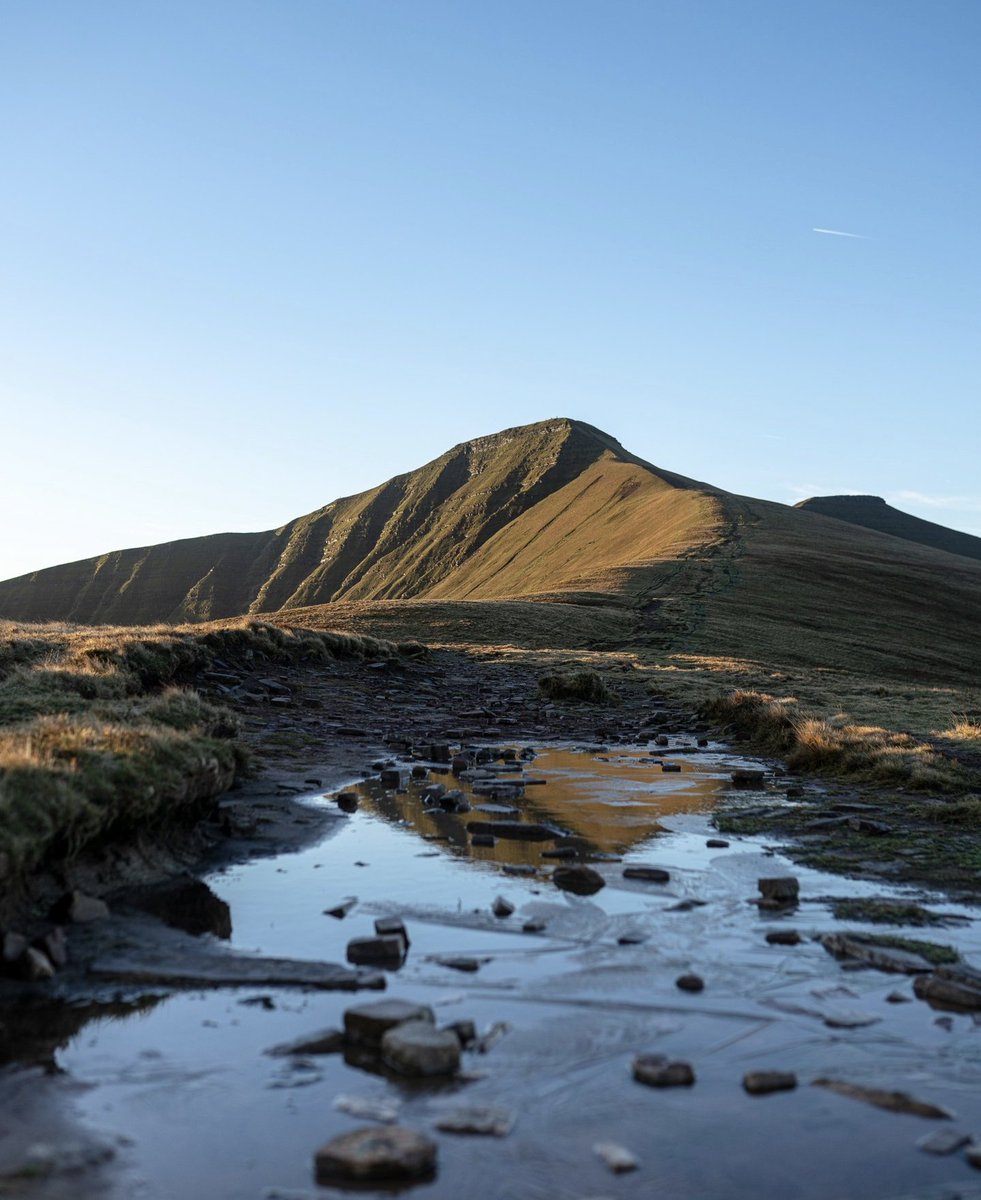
(556, 507)
(873, 512)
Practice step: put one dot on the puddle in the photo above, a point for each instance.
(206, 1112)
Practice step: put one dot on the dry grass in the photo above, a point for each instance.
(101, 735)
(584, 686)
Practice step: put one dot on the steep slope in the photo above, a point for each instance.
(873, 512)
(547, 508)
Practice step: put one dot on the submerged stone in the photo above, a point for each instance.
(376, 1154)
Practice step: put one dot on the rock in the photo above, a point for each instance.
(440, 752)
(899, 998)
(342, 908)
(956, 987)
(420, 772)
(432, 793)
(655, 1070)
(417, 1048)
(900, 1102)
(784, 889)
(395, 777)
(392, 927)
(367, 1108)
(943, 1141)
(533, 925)
(747, 779)
(662, 740)
(77, 908)
(867, 951)
(783, 937)
(487, 1120)
(690, 983)
(631, 937)
(54, 945)
(187, 904)
(686, 905)
(583, 881)
(35, 965)
(647, 874)
(618, 1158)
(371, 1154)
(454, 802)
(874, 828)
(501, 907)
(483, 839)
(14, 947)
(564, 852)
(972, 1155)
(671, 768)
(238, 970)
(347, 801)
(702, 742)
(366, 951)
(717, 844)
(761, 1083)
(519, 869)
(460, 962)
(326, 1041)
(464, 1031)
(516, 830)
(367, 1024)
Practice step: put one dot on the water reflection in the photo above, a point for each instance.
(597, 804)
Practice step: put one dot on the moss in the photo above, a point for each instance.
(933, 952)
(885, 912)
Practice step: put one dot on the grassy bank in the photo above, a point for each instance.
(103, 737)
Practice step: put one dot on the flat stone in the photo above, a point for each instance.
(486, 1120)
(325, 1041)
(373, 1153)
(483, 839)
(972, 1155)
(239, 970)
(647, 874)
(690, 983)
(671, 768)
(943, 1141)
(955, 987)
(392, 927)
(417, 1048)
(717, 844)
(342, 908)
(534, 925)
(368, 950)
(783, 937)
(519, 869)
(460, 962)
(35, 965)
(760, 1083)
(900, 1102)
(631, 937)
(655, 1070)
(583, 881)
(515, 830)
(785, 889)
(395, 777)
(616, 1157)
(867, 951)
(79, 909)
(561, 852)
(368, 1023)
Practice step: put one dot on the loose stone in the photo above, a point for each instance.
(342, 908)
(760, 1083)
(368, 1023)
(419, 1049)
(583, 881)
(79, 909)
(464, 1031)
(618, 1158)
(347, 801)
(647, 874)
(671, 768)
(943, 1141)
(972, 1155)
(690, 983)
(483, 839)
(561, 852)
(326, 1041)
(501, 907)
(784, 889)
(392, 927)
(369, 950)
(655, 1070)
(376, 1154)
(900, 1102)
(533, 925)
(460, 962)
(747, 779)
(487, 1120)
(783, 937)
(717, 844)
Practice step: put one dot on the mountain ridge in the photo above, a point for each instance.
(872, 512)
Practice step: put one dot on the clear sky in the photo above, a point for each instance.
(256, 256)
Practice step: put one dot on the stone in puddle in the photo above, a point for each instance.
(647, 874)
(972, 1155)
(957, 987)
(513, 829)
(671, 767)
(690, 983)
(747, 779)
(501, 907)
(487, 1120)
(631, 937)
(372, 1154)
(561, 852)
(392, 927)
(464, 1031)
(389, 951)
(900, 1102)
(483, 839)
(460, 962)
(347, 801)
(783, 937)
(655, 1070)
(419, 1049)
(717, 844)
(618, 1158)
(760, 1083)
(533, 925)
(583, 881)
(783, 889)
(326, 1041)
(342, 908)
(518, 869)
(943, 1141)
(368, 1023)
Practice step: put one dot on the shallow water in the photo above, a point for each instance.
(208, 1114)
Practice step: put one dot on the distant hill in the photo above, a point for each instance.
(873, 512)
(553, 535)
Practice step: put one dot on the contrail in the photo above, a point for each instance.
(841, 233)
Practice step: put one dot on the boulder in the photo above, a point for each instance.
(367, 951)
(783, 889)
(583, 881)
(367, 1024)
(417, 1048)
(376, 1154)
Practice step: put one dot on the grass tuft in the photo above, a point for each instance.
(579, 686)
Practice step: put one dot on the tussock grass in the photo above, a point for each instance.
(835, 745)
(103, 737)
(580, 685)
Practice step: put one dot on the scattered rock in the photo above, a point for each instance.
(459, 962)
(943, 1141)
(54, 945)
(972, 1155)
(464, 1031)
(647, 874)
(516, 830)
(747, 779)
(35, 966)
(519, 869)
(342, 908)
(395, 777)
(956, 987)
(898, 998)
(371, 1154)
(783, 937)
(77, 908)
(784, 889)
(690, 983)
(617, 1158)
(326, 1041)
(347, 801)
(501, 907)
(900, 1102)
(534, 925)
(483, 839)
(368, 951)
(417, 1048)
(583, 881)
(487, 1120)
(717, 844)
(655, 1070)
(671, 768)
(367, 1108)
(561, 852)
(760, 1083)
(367, 1024)
(873, 954)
(392, 927)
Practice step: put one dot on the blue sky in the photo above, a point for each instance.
(256, 256)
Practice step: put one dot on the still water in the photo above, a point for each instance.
(203, 1112)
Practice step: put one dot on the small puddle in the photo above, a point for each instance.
(206, 1112)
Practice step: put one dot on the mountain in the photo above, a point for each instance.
(556, 507)
(553, 535)
(873, 512)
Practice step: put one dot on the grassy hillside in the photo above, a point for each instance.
(539, 508)
(873, 512)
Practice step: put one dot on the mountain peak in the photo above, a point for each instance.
(872, 512)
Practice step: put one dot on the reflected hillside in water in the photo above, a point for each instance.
(599, 804)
